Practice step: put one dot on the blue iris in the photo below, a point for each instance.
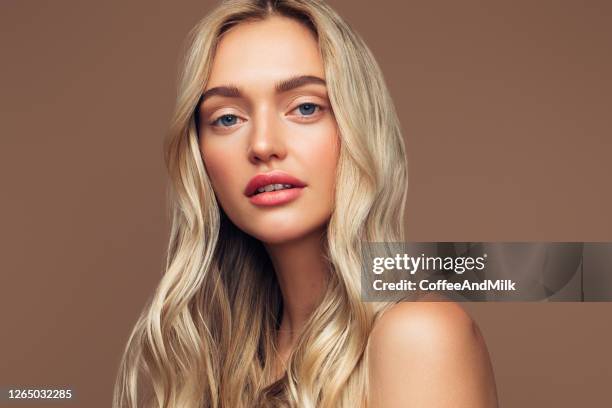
(307, 108)
(227, 120)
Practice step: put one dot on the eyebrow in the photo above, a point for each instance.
(296, 82)
(231, 91)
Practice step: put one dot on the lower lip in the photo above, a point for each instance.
(271, 198)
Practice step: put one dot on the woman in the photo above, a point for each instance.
(285, 156)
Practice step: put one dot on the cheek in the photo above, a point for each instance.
(318, 151)
(321, 154)
(221, 170)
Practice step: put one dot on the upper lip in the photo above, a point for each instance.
(273, 177)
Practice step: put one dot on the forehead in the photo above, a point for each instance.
(267, 50)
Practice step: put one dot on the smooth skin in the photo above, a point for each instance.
(429, 354)
(256, 120)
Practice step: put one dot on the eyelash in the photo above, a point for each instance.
(215, 123)
(318, 108)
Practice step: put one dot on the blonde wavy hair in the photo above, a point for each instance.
(207, 336)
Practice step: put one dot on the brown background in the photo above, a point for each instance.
(506, 113)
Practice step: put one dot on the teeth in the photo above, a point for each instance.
(273, 187)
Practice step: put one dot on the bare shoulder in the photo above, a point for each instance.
(442, 323)
(429, 354)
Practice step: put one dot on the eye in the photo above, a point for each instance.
(226, 120)
(308, 108)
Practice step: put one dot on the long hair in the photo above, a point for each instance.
(207, 336)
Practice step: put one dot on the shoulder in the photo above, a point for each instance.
(422, 332)
(429, 354)
(423, 322)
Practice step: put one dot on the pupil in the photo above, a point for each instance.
(228, 119)
(307, 109)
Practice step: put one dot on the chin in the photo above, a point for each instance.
(272, 234)
(283, 230)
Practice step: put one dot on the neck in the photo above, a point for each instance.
(302, 272)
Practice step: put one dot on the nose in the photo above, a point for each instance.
(266, 141)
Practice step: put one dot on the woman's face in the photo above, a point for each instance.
(268, 137)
